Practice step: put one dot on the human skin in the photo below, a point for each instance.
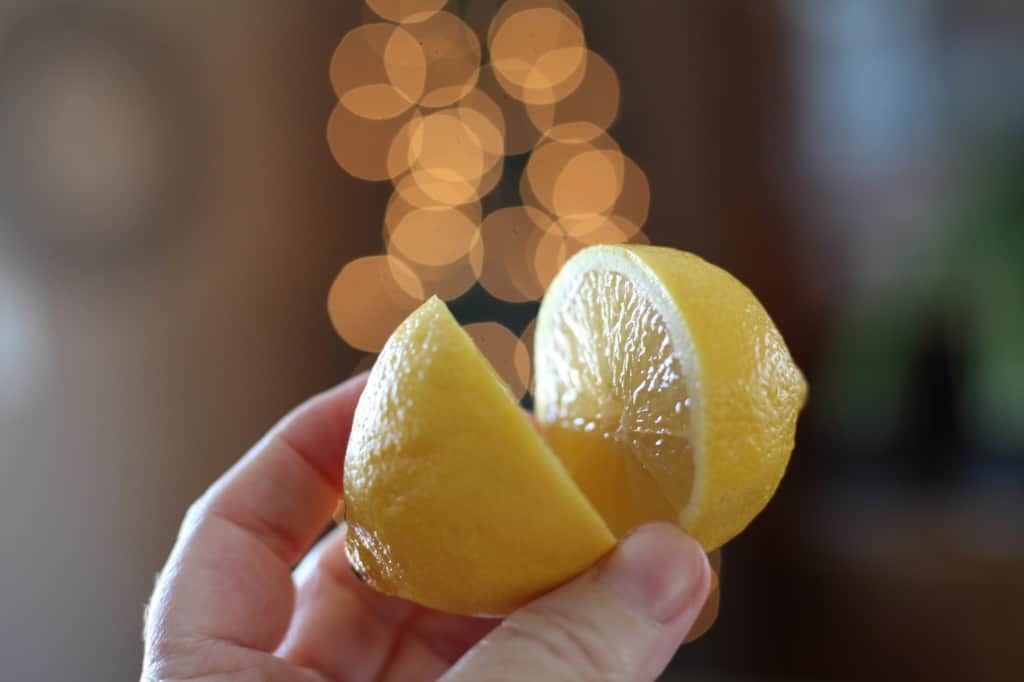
(242, 596)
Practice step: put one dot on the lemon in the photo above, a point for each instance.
(666, 390)
(662, 391)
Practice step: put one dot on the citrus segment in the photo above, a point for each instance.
(452, 498)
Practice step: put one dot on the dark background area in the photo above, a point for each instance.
(171, 220)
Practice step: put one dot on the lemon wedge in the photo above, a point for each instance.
(451, 496)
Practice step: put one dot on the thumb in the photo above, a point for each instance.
(621, 620)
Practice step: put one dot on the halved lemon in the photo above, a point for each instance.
(662, 390)
(666, 390)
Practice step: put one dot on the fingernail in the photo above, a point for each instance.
(657, 570)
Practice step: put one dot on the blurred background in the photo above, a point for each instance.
(171, 220)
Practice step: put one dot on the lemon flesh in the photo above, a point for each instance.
(666, 389)
(452, 498)
(613, 402)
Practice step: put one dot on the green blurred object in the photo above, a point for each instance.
(985, 290)
(970, 307)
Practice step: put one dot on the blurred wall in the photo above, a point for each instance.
(170, 221)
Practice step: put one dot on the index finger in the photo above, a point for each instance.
(229, 575)
(285, 489)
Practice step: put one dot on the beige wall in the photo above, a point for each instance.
(131, 378)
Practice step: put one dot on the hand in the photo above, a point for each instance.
(227, 605)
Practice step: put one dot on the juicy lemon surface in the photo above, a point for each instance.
(666, 389)
(662, 390)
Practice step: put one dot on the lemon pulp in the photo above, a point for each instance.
(666, 390)
(619, 416)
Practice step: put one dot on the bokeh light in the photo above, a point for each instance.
(446, 147)
(378, 71)
(418, 108)
(634, 202)
(550, 253)
(539, 54)
(407, 193)
(400, 154)
(583, 114)
(564, 238)
(569, 179)
(388, 291)
(553, 32)
(598, 229)
(450, 281)
(434, 236)
(521, 134)
(640, 238)
(441, 244)
(362, 146)
(406, 11)
(527, 337)
(452, 52)
(509, 236)
(484, 119)
(589, 184)
(455, 154)
(505, 351)
(399, 206)
(509, 7)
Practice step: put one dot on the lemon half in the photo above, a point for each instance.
(662, 391)
(666, 390)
